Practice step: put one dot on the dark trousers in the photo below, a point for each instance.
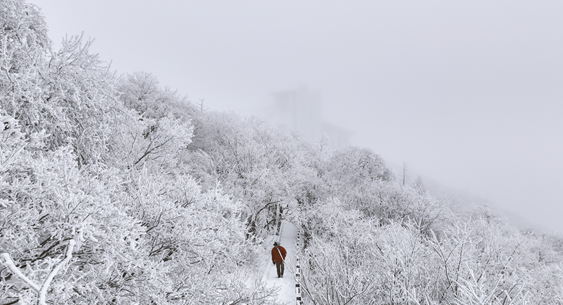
(279, 268)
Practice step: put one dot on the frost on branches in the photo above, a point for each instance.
(115, 190)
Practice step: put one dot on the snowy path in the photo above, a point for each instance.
(286, 284)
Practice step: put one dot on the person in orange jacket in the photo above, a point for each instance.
(278, 258)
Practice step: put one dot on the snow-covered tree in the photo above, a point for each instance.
(141, 91)
(250, 161)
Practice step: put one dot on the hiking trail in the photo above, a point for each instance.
(287, 239)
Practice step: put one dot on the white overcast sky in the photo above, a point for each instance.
(469, 93)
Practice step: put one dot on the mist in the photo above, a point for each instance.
(465, 93)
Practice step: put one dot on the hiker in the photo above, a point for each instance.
(278, 258)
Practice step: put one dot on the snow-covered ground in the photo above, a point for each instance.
(286, 284)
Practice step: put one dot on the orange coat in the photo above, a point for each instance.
(276, 254)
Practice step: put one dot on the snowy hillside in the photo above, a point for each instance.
(116, 190)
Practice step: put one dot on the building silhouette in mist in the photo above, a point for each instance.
(300, 111)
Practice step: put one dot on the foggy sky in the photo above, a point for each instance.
(468, 93)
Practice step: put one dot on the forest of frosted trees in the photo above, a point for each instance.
(117, 190)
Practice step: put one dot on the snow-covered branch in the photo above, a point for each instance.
(47, 282)
(10, 263)
(45, 286)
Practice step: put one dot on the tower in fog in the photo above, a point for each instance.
(300, 111)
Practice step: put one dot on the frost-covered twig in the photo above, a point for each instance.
(47, 282)
(45, 286)
(10, 263)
